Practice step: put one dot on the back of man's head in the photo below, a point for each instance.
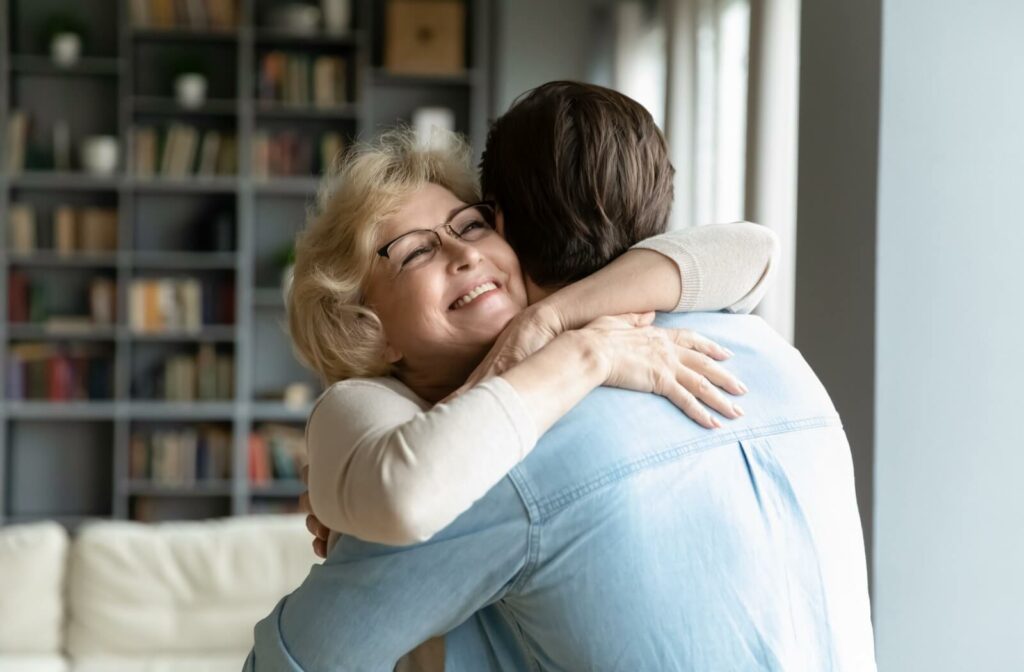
(581, 173)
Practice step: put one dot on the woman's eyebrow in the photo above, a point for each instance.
(456, 210)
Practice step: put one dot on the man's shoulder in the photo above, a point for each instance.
(612, 433)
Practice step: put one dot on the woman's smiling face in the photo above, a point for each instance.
(447, 311)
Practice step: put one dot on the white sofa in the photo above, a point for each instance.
(129, 597)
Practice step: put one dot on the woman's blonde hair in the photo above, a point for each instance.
(332, 332)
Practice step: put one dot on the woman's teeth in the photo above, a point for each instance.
(486, 287)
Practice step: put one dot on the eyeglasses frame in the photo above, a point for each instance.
(447, 225)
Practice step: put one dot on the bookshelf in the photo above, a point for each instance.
(72, 460)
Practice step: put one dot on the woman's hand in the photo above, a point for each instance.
(319, 531)
(677, 364)
(525, 334)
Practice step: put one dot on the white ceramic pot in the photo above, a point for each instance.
(99, 154)
(190, 90)
(432, 126)
(65, 48)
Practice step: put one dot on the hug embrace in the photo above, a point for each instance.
(552, 436)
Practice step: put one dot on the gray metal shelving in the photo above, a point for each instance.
(266, 213)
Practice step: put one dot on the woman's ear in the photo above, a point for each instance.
(391, 354)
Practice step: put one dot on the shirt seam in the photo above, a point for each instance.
(526, 649)
(547, 507)
(533, 514)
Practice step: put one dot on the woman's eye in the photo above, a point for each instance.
(414, 255)
(471, 227)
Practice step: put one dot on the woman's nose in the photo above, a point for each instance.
(461, 255)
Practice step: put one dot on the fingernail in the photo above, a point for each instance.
(743, 388)
(728, 352)
(737, 409)
(715, 423)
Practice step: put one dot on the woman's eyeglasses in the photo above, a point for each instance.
(416, 248)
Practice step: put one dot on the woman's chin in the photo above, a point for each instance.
(488, 324)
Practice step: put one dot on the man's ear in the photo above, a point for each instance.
(499, 222)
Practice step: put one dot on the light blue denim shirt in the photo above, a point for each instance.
(630, 539)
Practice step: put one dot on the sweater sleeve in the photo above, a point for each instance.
(385, 470)
(721, 266)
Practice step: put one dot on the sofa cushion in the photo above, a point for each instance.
(34, 663)
(32, 566)
(232, 663)
(192, 588)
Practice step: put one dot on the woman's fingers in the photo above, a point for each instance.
(702, 388)
(694, 341)
(713, 371)
(316, 528)
(689, 405)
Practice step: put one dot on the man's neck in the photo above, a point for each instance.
(535, 292)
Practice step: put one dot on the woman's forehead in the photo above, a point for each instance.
(424, 208)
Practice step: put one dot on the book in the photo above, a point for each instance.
(97, 229)
(21, 221)
(102, 300)
(17, 296)
(144, 151)
(208, 154)
(64, 230)
(168, 150)
(206, 365)
(227, 159)
(58, 373)
(259, 460)
(225, 376)
(17, 139)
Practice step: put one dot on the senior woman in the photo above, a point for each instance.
(403, 284)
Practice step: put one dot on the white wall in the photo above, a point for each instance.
(949, 456)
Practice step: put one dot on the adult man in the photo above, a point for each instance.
(630, 538)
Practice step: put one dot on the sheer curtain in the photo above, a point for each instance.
(720, 77)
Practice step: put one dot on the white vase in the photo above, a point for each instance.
(99, 154)
(190, 90)
(65, 48)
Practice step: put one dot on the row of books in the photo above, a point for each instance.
(72, 230)
(181, 456)
(276, 452)
(45, 371)
(191, 14)
(205, 376)
(301, 79)
(287, 153)
(157, 305)
(180, 150)
(27, 301)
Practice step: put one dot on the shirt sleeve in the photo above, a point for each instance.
(368, 605)
(721, 266)
(384, 470)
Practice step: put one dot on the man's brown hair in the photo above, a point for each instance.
(581, 173)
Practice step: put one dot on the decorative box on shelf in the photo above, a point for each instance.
(425, 37)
